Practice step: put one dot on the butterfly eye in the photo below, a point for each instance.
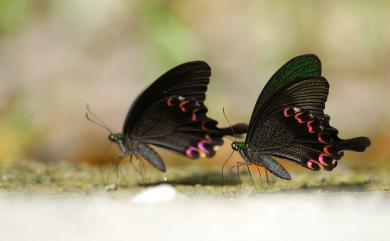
(111, 137)
(234, 146)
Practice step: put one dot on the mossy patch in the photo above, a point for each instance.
(37, 177)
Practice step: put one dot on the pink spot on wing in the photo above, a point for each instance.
(202, 126)
(190, 150)
(326, 150)
(311, 130)
(181, 106)
(194, 114)
(311, 162)
(320, 139)
(169, 101)
(321, 160)
(300, 121)
(207, 137)
(201, 146)
(310, 165)
(285, 112)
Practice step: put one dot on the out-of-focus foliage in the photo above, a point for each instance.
(57, 56)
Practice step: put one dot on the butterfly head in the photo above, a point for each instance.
(116, 137)
(237, 146)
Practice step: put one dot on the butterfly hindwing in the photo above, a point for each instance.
(293, 126)
(181, 125)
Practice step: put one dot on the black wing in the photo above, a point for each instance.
(292, 125)
(181, 124)
(188, 79)
(171, 113)
(298, 67)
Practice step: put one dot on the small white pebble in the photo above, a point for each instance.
(160, 193)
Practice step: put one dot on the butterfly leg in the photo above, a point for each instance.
(143, 171)
(239, 164)
(117, 160)
(260, 178)
(223, 166)
(250, 174)
(230, 178)
(136, 169)
(122, 175)
(266, 175)
(139, 168)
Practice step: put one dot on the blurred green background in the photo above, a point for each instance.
(57, 56)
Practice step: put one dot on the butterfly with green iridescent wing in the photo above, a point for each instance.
(171, 114)
(288, 122)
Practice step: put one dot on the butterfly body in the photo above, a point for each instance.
(288, 122)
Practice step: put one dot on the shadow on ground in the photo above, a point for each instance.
(203, 179)
(355, 186)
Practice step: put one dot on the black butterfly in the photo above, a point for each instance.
(171, 114)
(288, 121)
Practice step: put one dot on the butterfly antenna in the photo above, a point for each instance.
(97, 120)
(227, 119)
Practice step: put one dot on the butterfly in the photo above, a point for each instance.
(171, 114)
(288, 122)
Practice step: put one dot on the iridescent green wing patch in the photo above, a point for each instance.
(304, 65)
(300, 66)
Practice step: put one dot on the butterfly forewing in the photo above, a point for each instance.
(188, 79)
(298, 67)
(309, 93)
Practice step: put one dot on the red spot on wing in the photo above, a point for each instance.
(169, 101)
(310, 165)
(320, 139)
(193, 118)
(203, 126)
(321, 159)
(181, 106)
(285, 112)
(190, 150)
(300, 121)
(313, 165)
(310, 127)
(326, 150)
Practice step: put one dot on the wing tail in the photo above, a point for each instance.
(236, 129)
(358, 144)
